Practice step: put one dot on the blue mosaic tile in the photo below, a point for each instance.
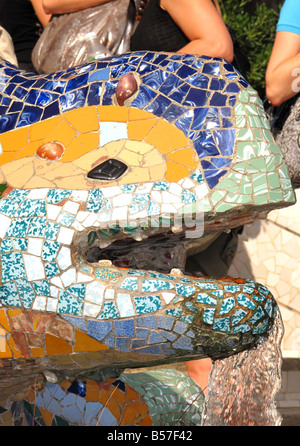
(183, 343)
(78, 388)
(123, 344)
(206, 299)
(55, 196)
(238, 316)
(227, 305)
(109, 311)
(12, 267)
(95, 200)
(69, 304)
(168, 335)
(243, 328)
(8, 207)
(37, 227)
(50, 250)
(42, 287)
(51, 270)
(142, 333)
(77, 290)
(245, 301)
(51, 231)
(208, 315)
(259, 313)
(9, 295)
(99, 329)
(130, 283)
(165, 322)
(147, 304)
(185, 290)
(124, 328)
(222, 324)
(146, 321)
(19, 227)
(6, 245)
(26, 292)
(20, 244)
(180, 327)
(150, 286)
(65, 219)
(155, 338)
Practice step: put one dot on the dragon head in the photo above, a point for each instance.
(112, 173)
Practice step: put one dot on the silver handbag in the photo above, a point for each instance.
(63, 43)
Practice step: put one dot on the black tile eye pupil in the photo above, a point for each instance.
(110, 169)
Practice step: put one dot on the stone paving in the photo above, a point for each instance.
(269, 253)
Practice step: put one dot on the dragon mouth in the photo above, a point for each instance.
(143, 249)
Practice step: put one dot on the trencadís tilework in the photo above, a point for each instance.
(100, 165)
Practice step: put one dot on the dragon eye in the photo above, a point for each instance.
(110, 169)
(126, 87)
(50, 150)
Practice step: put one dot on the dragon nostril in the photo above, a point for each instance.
(110, 169)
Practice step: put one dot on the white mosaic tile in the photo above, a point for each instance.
(34, 267)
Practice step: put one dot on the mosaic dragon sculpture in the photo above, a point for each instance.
(110, 173)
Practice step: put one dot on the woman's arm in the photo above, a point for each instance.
(283, 71)
(40, 13)
(64, 6)
(204, 27)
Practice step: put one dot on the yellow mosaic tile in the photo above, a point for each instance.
(131, 158)
(20, 176)
(79, 146)
(152, 158)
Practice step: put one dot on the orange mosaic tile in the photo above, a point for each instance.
(113, 113)
(84, 343)
(166, 138)
(139, 129)
(4, 321)
(57, 346)
(83, 120)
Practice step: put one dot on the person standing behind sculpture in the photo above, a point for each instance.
(193, 27)
(65, 6)
(283, 86)
(82, 30)
(284, 64)
(185, 26)
(24, 21)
